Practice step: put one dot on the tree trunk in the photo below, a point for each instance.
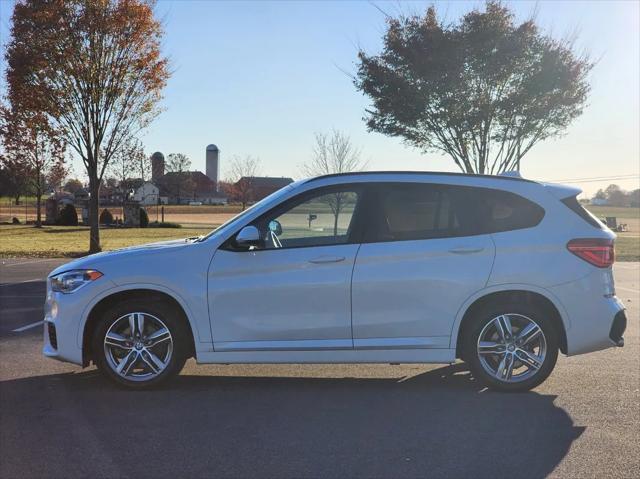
(94, 227)
(38, 208)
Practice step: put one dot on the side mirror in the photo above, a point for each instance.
(249, 236)
(276, 227)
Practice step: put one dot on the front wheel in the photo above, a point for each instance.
(140, 343)
(511, 349)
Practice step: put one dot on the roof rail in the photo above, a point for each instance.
(429, 173)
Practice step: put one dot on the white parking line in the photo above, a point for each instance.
(31, 262)
(21, 282)
(28, 326)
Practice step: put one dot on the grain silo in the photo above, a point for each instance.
(157, 166)
(213, 163)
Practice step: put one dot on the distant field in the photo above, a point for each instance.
(60, 241)
(630, 216)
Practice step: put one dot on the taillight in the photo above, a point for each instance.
(597, 251)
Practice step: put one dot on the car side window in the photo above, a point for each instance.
(318, 220)
(413, 211)
(504, 211)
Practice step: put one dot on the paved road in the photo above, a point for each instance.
(57, 420)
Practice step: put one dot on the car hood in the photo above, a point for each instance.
(100, 260)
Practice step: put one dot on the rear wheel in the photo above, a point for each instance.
(140, 343)
(511, 348)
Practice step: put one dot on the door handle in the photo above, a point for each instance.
(465, 250)
(326, 259)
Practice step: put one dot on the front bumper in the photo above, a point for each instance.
(61, 322)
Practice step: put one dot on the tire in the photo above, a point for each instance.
(533, 355)
(144, 360)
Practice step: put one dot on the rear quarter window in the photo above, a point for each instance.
(499, 211)
(574, 205)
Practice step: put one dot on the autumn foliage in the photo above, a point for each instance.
(94, 68)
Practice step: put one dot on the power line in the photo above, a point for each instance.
(598, 178)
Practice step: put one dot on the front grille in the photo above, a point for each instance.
(53, 338)
(618, 327)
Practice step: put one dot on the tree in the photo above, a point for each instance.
(600, 195)
(616, 196)
(56, 176)
(13, 178)
(94, 67)
(33, 147)
(180, 181)
(483, 91)
(73, 185)
(126, 164)
(242, 174)
(334, 154)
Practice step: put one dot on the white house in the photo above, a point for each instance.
(148, 194)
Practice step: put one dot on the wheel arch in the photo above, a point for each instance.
(95, 312)
(521, 294)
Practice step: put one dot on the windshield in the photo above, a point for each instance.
(267, 199)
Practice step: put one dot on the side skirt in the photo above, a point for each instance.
(329, 356)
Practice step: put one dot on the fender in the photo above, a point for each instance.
(506, 287)
(201, 344)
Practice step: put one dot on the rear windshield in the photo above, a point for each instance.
(574, 205)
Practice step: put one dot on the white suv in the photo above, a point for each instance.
(356, 268)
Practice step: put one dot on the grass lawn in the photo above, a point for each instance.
(617, 211)
(59, 241)
(627, 247)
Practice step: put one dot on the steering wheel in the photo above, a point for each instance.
(275, 241)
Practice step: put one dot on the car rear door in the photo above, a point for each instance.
(419, 261)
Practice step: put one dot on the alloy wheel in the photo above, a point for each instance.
(512, 348)
(138, 346)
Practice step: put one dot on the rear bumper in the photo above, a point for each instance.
(618, 327)
(596, 320)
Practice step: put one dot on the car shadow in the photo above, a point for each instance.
(440, 423)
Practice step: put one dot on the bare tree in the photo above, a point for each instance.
(95, 68)
(242, 174)
(180, 181)
(332, 154)
(125, 164)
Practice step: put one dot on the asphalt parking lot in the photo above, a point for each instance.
(58, 420)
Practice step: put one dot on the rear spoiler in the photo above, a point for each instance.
(562, 191)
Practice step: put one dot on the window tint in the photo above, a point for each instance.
(412, 211)
(324, 219)
(504, 211)
(417, 211)
(573, 204)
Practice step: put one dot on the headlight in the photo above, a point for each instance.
(71, 281)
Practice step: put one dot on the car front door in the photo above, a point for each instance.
(292, 292)
(419, 261)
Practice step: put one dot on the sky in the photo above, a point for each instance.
(260, 78)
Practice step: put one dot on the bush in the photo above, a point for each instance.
(15, 221)
(106, 218)
(167, 224)
(68, 216)
(144, 218)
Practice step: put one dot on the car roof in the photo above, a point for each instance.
(416, 173)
